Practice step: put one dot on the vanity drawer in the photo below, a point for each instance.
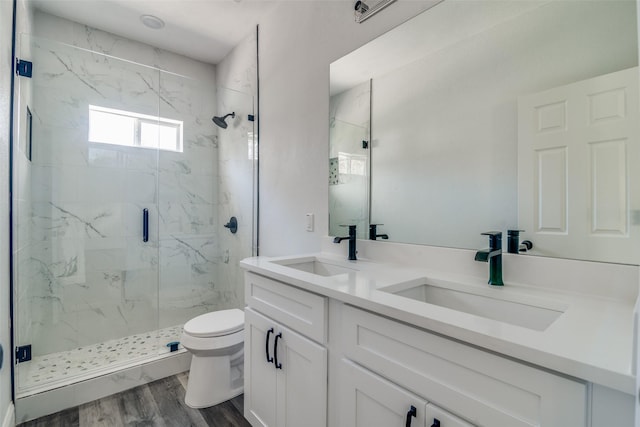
(303, 311)
(484, 388)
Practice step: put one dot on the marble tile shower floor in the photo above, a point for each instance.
(56, 369)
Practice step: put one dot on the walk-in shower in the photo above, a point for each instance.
(122, 186)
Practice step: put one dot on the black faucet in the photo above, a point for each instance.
(352, 241)
(513, 242)
(493, 256)
(373, 232)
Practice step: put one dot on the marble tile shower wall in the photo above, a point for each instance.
(89, 277)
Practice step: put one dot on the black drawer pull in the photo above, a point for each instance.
(275, 350)
(269, 358)
(436, 423)
(411, 414)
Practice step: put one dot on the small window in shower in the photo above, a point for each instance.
(129, 129)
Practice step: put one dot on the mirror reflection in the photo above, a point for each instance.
(521, 115)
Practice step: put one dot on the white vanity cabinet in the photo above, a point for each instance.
(475, 387)
(285, 372)
(315, 360)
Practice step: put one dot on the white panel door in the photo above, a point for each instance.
(578, 169)
(368, 400)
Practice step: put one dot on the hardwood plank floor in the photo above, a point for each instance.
(157, 404)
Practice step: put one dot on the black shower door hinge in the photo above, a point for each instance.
(23, 353)
(24, 68)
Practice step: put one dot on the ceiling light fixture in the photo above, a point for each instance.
(152, 21)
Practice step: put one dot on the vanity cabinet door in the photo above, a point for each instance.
(368, 400)
(259, 374)
(285, 376)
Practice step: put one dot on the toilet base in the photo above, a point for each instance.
(214, 379)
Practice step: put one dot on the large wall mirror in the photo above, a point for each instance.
(483, 116)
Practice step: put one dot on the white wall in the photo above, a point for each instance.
(6, 67)
(298, 41)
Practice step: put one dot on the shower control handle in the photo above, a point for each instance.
(275, 351)
(269, 358)
(145, 225)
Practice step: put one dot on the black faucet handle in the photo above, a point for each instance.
(352, 229)
(495, 239)
(373, 231)
(514, 233)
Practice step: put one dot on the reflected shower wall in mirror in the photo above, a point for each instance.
(349, 160)
(504, 115)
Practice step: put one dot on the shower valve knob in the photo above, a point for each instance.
(232, 225)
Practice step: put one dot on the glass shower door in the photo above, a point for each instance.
(85, 175)
(200, 188)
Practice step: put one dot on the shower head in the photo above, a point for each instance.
(220, 121)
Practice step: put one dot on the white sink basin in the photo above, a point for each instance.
(525, 314)
(313, 265)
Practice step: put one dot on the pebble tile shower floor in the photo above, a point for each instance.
(45, 371)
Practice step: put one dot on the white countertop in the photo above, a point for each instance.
(592, 340)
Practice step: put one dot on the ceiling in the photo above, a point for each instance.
(205, 30)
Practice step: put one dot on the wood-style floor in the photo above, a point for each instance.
(160, 403)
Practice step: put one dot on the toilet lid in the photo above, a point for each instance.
(216, 323)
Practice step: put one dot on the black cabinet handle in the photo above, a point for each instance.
(436, 423)
(145, 225)
(411, 414)
(275, 350)
(269, 358)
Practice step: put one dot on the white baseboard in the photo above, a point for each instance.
(10, 416)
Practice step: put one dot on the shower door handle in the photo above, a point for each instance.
(145, 225)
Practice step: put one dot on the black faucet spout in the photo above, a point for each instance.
(493, 255)
(352, 242)
(484, 255)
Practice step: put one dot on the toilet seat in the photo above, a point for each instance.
(215, 324)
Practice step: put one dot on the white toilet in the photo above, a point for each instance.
(216, 342)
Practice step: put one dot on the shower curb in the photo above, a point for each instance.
(48, 402)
